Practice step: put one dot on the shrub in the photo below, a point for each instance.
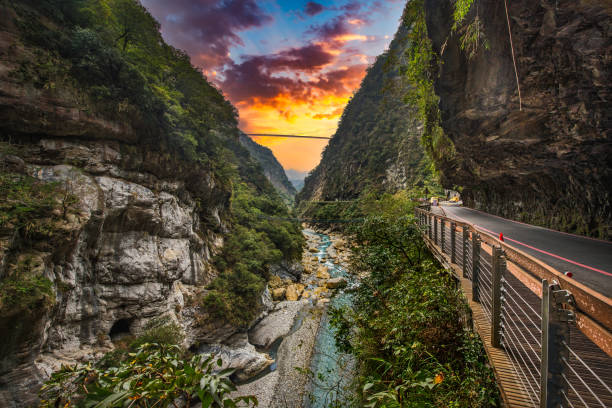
(25, 294)
(406, 324)
(155, 375)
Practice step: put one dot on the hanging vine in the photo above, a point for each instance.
(421, 68)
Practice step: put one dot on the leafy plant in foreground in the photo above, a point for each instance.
(156, 375)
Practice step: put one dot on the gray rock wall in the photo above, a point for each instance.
(136, 248)
(550, 162)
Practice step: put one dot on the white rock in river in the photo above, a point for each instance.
(277, 324)
(240, 355)
(335, 283)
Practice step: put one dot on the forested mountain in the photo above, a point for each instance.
(271, 167)
(377, 144)
(518, 121)
(126, 196)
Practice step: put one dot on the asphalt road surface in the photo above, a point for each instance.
(589, 260)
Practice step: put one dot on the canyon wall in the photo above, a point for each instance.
(548, 161)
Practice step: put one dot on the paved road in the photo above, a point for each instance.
(595, 256)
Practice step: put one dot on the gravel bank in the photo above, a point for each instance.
(285, 387)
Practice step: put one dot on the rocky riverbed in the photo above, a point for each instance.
(289, 334)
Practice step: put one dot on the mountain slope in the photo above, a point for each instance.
(377, 143)
(296, 178)
(271, 167)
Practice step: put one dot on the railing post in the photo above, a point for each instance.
(464, 254)
(442, 228)
(429, 226)
(435, 227)
(453, 242)
(555, 331)
(498, 266)
(475, 266)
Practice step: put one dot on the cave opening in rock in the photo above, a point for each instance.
(120, 329)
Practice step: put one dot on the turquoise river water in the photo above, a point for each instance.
(332, 370)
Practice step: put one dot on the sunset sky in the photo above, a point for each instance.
(289, 67)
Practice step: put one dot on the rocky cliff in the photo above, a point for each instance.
(377, 143)
(549, 160)
(271, 167)
(115, 213)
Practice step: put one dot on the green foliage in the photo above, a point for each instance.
(462, 8)
(378, 132)
(27, 204)
(235, 296)
(334, 214)
(25, 293)
(420, 73)
(405, 327)
(261, 237)
(472, 33)
(159, 332)
(154, 375)
(112, 51)
(473, 37)
(111, 55)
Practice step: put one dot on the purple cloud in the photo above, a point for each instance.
(312, 8)
(207, 29)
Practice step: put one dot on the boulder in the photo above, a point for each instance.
(335, 283)
(294, 291)
(275, 282)
(277, 324)
(278, 293)
(322, 272)
(242, 356)
(320, 291)
(288, 271)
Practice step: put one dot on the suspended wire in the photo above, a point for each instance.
(483, 260)
(567, 399)
(535, 366)
(510, 328)
(311, 220)
(486, 306)
(287, 136)
(487, 276)
(520, 344)
(525, 313)
(534, 381)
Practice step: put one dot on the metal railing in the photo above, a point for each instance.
(555, 332)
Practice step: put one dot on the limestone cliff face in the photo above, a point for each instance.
(377, 143)
(271, 167)
(133, 249)
(550, 162)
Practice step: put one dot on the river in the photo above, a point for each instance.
(308, 370)
(332, 371)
